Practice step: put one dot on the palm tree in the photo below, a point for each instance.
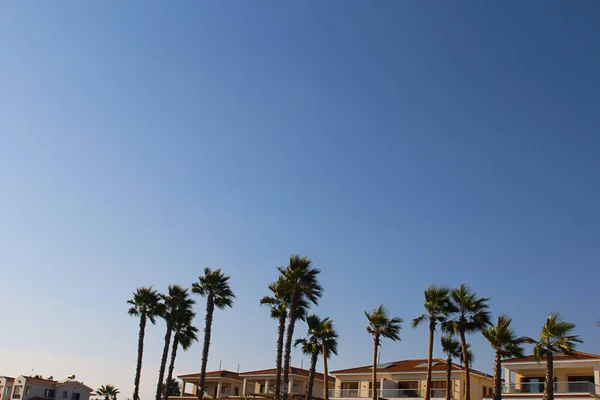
(310, 346)
(556, 337)
(176, 303)
(453, 350)
(328, 338)
(472, 315)
(303, 287)
(108, 391)
(146, 305)
(214, 285)
(437, 307)
(184, 334)
(380, 325)
(505, 342)
(171, 388)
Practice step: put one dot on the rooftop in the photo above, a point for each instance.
(418, 365)
(578, 355)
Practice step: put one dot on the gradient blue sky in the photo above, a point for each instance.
(398, 144)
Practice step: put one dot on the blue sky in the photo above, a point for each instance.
(397, 144)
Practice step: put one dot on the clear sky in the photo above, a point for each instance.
(396, 143)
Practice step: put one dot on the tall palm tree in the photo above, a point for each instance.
(176, 303)
(311, 346)
(437, 308)
(278, 303)
(303, 286)
(214, 285)
(381, 326)
(108, 391)
(507, 344)
(472, 315)
(328, 338)
(184, 334)
(146, 305)
(452, 348)
(556, 337)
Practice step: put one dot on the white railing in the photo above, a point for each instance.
(386, 393)
(559, 387)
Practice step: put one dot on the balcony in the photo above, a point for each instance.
(562, 389)
(386, 393)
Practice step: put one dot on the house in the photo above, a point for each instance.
(6, 384)
(263, 381)
(407, 378)
(260, 383)
(575, 377)
(219, 384)
(38, 388)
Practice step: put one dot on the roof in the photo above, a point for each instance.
(214, 374)
(75, 382)
(579, 355)
(40, 380)
(293, 370)
(418, 365)
(8, 378)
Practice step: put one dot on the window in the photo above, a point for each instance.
(17, 392)
(408, 389)
(349, 389)
(27, 390)
(223, 390)
(236, 391)
(295, 389)
(271, 388)
(49, 393)
(438, 389)
(75, 396)
(64, 395)
(533, 385)
(581, 384)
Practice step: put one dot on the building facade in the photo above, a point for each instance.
(575, 377)
(407, 378)
(38, 388)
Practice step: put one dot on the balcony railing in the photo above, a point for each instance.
(386, 393)
(559, 387)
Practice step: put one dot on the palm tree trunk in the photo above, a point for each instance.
(138, 369)
(280, 335)
(374, 376)
(429, 359)
(172, 363)
(325, 372)
(288, 344)
(163, 362)
(311, 376)
(449, 379)
(210, 308)
(497, 377)
(549, 389)
(465, 351)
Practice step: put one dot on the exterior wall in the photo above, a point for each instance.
(70, 388)
(33, 387)
(390, 382)
(6, 385)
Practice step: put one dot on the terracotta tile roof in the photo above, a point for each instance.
(41, 380)
(293, 370)
(418, 365)
(214, 374)
(579, 355)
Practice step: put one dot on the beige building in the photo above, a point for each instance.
(6, 384)
(259, 383)
(575, 377)
(407, 378)
(38, 388)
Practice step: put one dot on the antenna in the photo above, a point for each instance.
(302, 363)
(379, 361)
(238, 370)
(219, 365)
